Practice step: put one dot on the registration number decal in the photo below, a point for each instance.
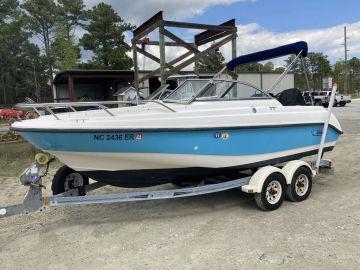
(117, 137)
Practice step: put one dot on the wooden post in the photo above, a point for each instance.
(233, 48)
(197, 72)
(162, 55)
(71, 87)
(233, 54)
(136, 68)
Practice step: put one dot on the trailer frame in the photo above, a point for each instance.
(35, 201)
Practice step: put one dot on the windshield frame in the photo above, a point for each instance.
(208, 84)
(158, 92)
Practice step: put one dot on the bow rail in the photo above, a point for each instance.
(101, 105)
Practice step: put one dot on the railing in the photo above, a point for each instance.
(49, 107)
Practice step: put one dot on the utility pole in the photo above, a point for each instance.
(346, 62)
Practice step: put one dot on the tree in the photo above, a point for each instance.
(8, 9)
(339, 74)
(21, 67)
(65, 51)
(214, 63)
(64, 48)
(353, 67)
(317, 67)
(257, 67)
(250, 67)
(279, 69)
(41, 17)
(268, 67)
(105, 38)
(299, 75)
(72, 13)
(354, 75)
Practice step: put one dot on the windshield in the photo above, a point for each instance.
(218, 89)
(187, 90)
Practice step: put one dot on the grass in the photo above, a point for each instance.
(15, 157)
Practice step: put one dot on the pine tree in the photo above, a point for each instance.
(41, 17)
(215, 62)
(105, 38)
(21, 66)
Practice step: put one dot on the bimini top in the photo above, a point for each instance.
(294, 48)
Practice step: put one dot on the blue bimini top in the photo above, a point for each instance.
(293, 48)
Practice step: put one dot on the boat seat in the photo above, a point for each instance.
(291, 97)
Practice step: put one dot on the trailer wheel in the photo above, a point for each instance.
(272, 193)
(300, 186)
(66, 178)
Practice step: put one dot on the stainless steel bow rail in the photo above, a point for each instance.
(50, 107)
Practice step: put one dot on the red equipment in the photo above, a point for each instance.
(11, 114)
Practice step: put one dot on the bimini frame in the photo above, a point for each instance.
(299, 49)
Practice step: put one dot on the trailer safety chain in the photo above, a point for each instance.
(47, 167)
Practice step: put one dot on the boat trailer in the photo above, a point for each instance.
(35, 201)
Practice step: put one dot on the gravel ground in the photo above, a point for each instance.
(218, 231)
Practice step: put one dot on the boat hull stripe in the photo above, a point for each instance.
(162, 129)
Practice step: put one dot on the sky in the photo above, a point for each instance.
(262, 24)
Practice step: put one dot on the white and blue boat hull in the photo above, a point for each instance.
(121, 157)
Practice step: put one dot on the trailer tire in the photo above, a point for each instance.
(300, 187)
(66, 178)
(266, 200)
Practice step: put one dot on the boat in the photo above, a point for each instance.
(203, 128)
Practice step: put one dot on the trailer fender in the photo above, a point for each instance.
(290, 168)
(257, 180)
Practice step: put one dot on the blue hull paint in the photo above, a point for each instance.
(233, 142)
